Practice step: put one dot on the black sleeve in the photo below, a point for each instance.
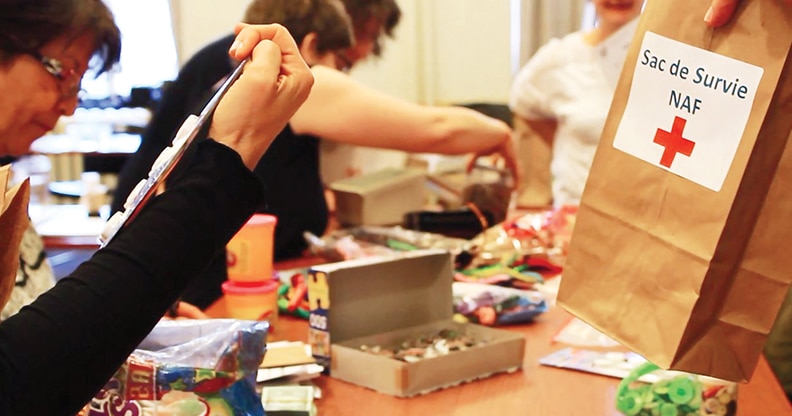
(56, 353)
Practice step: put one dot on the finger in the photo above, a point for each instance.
(265, 63)
(250, 35)
(471, 163)
(720, 12)
(186, 310)
(515, 172)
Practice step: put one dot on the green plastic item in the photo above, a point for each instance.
(681, 390)
(676, 397)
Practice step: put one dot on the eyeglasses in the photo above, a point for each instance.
(69, 82)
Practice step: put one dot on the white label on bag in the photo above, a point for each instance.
(687, 109)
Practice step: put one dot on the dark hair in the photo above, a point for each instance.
(386, 12)
(327, 18)
(27, 25)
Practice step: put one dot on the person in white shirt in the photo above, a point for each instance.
(563, 95)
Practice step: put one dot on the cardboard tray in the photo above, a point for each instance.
(502, 351)
(382, 301)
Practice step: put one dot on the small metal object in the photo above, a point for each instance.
(166, 161)
(444, 342)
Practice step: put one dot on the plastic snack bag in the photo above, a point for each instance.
(495, 305)
(189, 368)
(682, 394)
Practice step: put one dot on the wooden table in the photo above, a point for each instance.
(536, 390)
(66, 226)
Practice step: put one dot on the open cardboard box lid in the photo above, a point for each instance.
(500, 351)
(382, 294)
(384, 301)
(376, 182)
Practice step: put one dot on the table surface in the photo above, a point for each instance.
(120, 144)
(66, 226)
(536, 390)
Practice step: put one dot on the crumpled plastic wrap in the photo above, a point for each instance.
(491, 305)
(543, 234)
(534, 240)
(189, 368)
(368, 241)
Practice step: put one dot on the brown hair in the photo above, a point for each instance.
(385, 12)
(27, 25)
(327, 18)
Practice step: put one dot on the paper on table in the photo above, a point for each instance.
(282, 354)
(293, 400)
(65, 220)
(290, 360)
(581, 334)
(610, 363)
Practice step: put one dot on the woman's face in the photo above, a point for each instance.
(617, 12)
(33, 99)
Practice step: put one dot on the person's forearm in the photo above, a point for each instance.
(97, 316)
(459, 130)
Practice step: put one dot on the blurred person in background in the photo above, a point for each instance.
(342, 110)
(323, 32)
(562, 95)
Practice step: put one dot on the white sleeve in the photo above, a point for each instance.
(536, 83)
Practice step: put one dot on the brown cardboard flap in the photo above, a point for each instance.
(13, 223)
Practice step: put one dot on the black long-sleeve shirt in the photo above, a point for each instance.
(56, 353)
(289, 170)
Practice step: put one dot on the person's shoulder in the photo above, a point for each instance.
(328, 78)
(325, 72)
(561, 51)
(221, 43)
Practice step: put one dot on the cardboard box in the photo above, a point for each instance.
(379, 198)
(385, 301)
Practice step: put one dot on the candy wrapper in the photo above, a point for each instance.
(675, 394)
(544, 234)
(370, 241)
(188, 368)
(495, 305)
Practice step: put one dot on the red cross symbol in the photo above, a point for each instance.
(673, 142)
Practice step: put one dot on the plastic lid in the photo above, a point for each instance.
(668, 409)
(630, 403)
(262, 219)
(233, 288)
(681, 390)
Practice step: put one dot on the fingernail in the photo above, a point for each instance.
(708, 16)
(234, 46)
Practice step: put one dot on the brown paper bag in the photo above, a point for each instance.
(13, 223)
(680, 246)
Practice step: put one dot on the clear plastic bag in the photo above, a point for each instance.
(189, 368)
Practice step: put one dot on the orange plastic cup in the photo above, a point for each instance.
(249, 253)
(256, 302)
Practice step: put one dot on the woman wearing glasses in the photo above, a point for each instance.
(56, 353)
